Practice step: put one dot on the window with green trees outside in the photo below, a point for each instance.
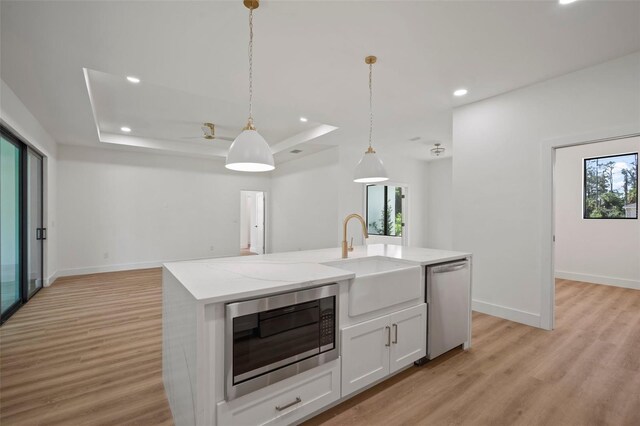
(384, 210)
(611, 187)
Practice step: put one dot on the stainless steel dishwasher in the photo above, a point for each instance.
(448, 299)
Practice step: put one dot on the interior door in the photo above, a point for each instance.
(365, 354)
(259, 224)
(35, 229)
(408, 337)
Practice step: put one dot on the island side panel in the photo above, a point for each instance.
(179, 349)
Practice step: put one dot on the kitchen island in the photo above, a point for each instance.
(372, 322)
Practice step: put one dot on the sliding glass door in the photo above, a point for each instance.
(10, 247)
(35, 230)
(21, 223)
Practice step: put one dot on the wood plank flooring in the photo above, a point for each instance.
(88, 351)
(585, 372)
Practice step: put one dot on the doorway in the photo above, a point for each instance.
(554, 201)
(252, 223)
(21, 223)
(597, 231)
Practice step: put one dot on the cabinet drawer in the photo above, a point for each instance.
(284, 402)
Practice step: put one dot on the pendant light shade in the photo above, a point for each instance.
(370, 168)
(249, 152)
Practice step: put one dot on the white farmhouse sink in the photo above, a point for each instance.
(380, 282)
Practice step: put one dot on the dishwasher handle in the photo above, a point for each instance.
(450, 268)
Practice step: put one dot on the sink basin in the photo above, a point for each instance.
(370, 265)
(380, 282)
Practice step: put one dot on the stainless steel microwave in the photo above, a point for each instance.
(272, 338)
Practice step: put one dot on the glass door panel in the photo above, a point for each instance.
(10, 248)
(35, 231)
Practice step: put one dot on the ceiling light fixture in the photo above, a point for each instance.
(303, 119)
(563, 2)
(370, 168)
(250, 152)
(460, 92)
(132, 79)
(125, 129)
(437, 150)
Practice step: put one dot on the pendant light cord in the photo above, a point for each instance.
(250, 67)
(370, 104)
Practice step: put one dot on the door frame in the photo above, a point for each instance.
(265, 245)
(547, 193)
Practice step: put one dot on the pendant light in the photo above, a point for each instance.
(249, 152)
(370, 168)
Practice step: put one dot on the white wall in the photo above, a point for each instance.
(314, 194)
(125, 209)
(600, 251)
(500, 213)
(245, 219)
(304, 203)
(440, 204)
(17, 118)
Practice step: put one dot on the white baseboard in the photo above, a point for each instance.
(51, 279)
(120, 267)
(108, 268)
(597, 279)
(510, 314)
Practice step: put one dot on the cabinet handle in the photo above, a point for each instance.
(395, 333)
(388, 336)
(298, 400)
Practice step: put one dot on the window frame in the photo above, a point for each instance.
(385, 219)
(584, 186)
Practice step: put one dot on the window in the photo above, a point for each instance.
(611, 187)
(384, 210)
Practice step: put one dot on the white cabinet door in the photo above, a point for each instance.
(365, 354)
(408, 336)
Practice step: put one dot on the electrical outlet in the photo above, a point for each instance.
(211, 248)
(105, 255)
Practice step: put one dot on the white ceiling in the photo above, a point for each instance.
(166, 119)
(308, 61)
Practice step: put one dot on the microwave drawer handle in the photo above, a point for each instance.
(298, 400)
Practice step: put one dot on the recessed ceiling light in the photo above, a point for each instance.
(125, 129)
(133, 79)
(303, 119)
(460, 92)
(566, 1)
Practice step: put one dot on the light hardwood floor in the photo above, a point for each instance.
(88, 351)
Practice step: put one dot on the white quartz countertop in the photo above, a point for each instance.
(226, 279)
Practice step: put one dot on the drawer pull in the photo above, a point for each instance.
(292, 403)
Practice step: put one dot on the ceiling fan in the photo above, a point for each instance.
(209, 132)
